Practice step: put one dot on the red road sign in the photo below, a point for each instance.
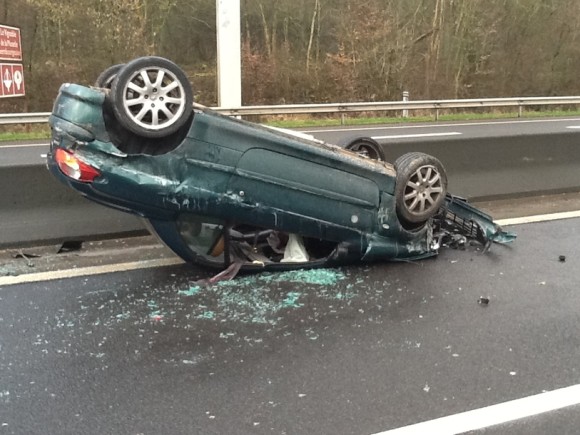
(11, 80)
(10, 44)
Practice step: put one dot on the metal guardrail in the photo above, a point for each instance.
(399, 105)
(344, 108)
(24, 118)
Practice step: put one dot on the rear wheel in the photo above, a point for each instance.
(421, 186)
(106, 78)
(365, 147)
(152, 97)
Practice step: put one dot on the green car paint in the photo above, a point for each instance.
(243, 173)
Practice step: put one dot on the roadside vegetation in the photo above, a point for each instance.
(310, 51)
(304, 122)
(37, 132)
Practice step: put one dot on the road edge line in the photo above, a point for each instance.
(538, 218)
(88, 271)
(493, 415)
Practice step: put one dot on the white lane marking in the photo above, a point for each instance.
(539, 218)
(465, 124)
(573, 126)
(404, 136)
(495, 414)
(88, 271)
(25, 145)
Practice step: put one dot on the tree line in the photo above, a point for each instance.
(305, 51)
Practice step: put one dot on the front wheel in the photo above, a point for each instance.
(152, 97)
(421, 186)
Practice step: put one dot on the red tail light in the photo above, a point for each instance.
(75, 168)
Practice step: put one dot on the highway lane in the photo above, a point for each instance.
(23, 153)
(14, 153)
(355, 350)
(453, 130)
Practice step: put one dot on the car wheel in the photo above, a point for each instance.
(421, 186)
(105, 79)
(152, 97)
(365, 147)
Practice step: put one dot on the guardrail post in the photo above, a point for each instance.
(405, 99)
(436, 114)
(520, 111)
(342, 119)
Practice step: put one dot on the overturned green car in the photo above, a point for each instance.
(231, 194)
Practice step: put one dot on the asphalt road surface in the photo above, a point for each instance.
(356, 350)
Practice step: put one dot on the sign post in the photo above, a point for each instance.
(11, 74)
(229, 53)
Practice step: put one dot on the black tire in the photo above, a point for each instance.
(365, 147)
(421, 186)
(106, 78)
(152, 97)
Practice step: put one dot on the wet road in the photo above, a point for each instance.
(356, 350)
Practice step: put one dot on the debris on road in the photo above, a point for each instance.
(483, 301)
(26, 257)
(70, 246)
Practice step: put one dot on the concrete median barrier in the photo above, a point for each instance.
(484, 168)
(35, 207)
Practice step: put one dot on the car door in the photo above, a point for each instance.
(305, 190)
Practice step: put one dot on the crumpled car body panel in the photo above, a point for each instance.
(236, 173)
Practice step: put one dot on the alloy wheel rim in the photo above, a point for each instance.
(423, 190)
(154, 98)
